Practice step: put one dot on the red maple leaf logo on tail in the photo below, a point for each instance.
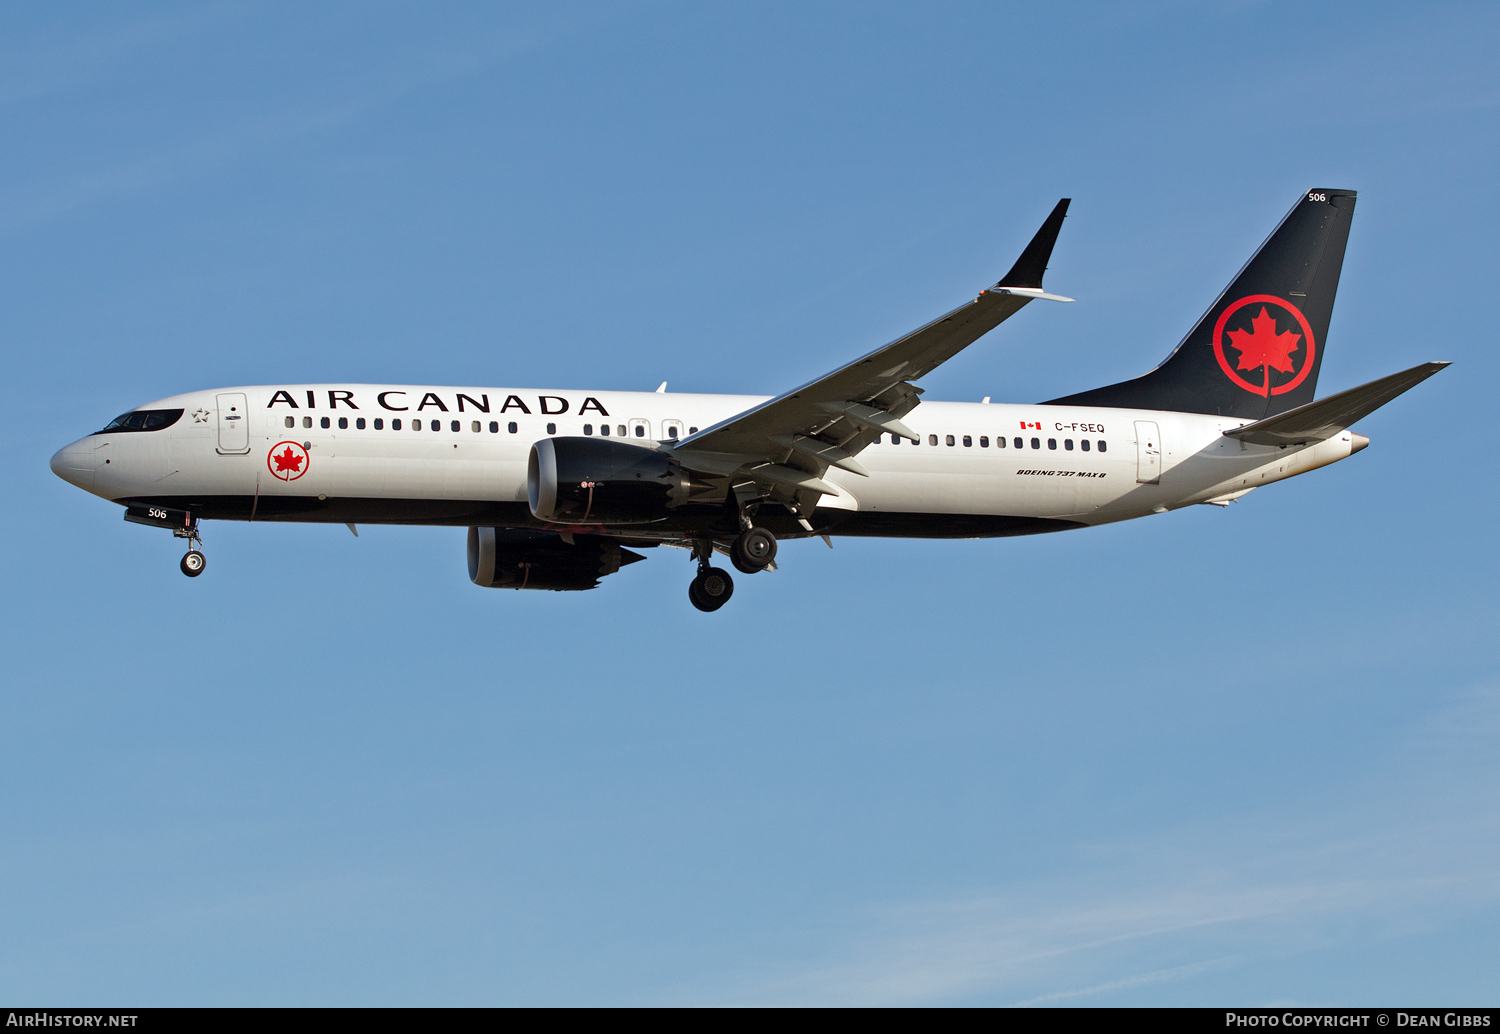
(288, 460)
(1261, 345)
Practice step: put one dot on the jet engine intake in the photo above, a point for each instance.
(515, 558)
(599, 481)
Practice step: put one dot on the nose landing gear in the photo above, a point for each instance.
(193, 561)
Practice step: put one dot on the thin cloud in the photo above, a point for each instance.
(354, 98)
(1176, 973)
(1415, 848)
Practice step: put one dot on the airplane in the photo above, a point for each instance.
(560, 488)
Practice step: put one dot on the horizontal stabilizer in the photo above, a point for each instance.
(1321, 420)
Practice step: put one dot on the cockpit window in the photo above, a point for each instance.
(142, 420)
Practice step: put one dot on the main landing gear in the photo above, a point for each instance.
(711, 589)
(193, 561)
(752, 550)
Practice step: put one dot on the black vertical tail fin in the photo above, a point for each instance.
(1257, 350)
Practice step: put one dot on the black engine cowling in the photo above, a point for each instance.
(600, 481)
(514, 558)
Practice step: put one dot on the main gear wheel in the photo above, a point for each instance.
(711, 589)
(753, 550)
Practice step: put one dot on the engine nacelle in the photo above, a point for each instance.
(600, 481)
(514, 558)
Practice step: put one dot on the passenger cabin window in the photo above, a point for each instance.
(1084, 445)
(324, 423)
(1020, 444)
(307, 421)
(588, 429)
(343, 423)
(968, 442)
(1068, 444)
(144, 420)
(494, 427)
(984, 441)
(1036, 443)
(604, 430)
(359, 423)
(416, 425)
(396, 424)
(950, 441)
(672, 431)
(455, 425)
(291, 421)
(640, 430)
(437, 425)
(621, 428)
(380, 423)
(1051, 443)
(932, 439)
(511, 427)
(692, 430)
(474, 427)
(1103, 447)
(551, 428)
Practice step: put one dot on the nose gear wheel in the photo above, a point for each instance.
(193, 561)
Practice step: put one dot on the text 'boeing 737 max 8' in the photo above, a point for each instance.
(558, 488)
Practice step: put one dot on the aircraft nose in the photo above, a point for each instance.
(75, 464)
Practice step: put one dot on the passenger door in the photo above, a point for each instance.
(234, 424)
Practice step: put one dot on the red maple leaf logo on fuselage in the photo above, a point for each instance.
(1263, 345)
(288, 460)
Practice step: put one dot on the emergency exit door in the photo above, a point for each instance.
(234, 424)
(1147, 452)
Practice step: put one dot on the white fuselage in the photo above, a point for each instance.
(459, 449)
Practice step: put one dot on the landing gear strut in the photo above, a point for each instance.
(753, 550)
(712, 587)
(193, 561)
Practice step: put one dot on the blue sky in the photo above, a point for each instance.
(1214, 757)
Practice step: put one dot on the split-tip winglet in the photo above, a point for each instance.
(1032, 265)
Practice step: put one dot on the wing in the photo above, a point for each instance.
(785, 445)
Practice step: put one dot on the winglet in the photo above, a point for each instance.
(1028, 270)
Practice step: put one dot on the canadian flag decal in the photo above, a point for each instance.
(1028, 425)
